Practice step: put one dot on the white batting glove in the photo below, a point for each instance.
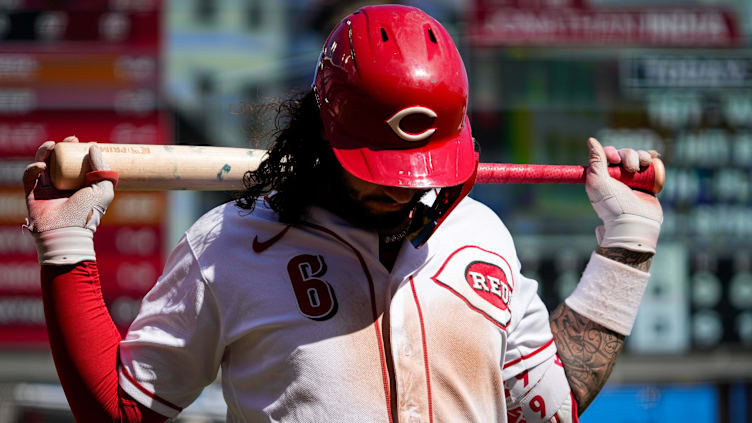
(631, 219)
(63, 222)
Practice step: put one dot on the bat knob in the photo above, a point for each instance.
(660, 175)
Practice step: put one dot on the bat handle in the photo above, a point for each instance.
(650, 179)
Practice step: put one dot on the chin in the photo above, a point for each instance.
(385, 222)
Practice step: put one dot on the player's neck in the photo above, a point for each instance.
(390, 243)
(388, 252)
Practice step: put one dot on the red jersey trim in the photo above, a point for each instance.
(467, 302)
(526, 356)
(374, 311)
(146, 392)
(575, 411)
(425, 350)
(482, 249)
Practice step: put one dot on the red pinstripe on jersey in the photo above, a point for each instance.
(425, 350)
(374, 312)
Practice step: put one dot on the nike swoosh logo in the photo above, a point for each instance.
(260, 246)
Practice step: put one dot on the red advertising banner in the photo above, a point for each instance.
(117, 27)
(494, 24)
(139, 101)
(90, 69)
(118, 69)
(21, 134)
(124, 5)
(130, 254)
(125, 280)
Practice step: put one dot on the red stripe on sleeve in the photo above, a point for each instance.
(148, 393)
(526, 356)
(575, 412)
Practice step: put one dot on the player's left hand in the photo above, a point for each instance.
(63, 222)
(631, 219)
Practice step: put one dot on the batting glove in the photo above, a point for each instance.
(631, 219)
(63, 222)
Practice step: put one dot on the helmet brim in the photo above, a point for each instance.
(438, 163)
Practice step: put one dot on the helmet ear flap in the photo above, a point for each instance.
(446, 200)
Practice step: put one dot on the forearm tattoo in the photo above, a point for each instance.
(640, 261)
(587, 350)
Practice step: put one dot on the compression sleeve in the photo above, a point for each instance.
(84, 343)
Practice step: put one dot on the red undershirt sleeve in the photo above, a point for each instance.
(84, 343)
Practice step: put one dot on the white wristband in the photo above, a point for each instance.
(64, 245)
(609, 293)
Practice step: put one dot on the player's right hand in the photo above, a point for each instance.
(63, 222)
(631, 219)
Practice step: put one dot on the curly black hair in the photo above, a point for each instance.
(299, 162)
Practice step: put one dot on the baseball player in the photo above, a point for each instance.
(353, 280)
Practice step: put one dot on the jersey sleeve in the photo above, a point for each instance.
(529, 339)
(174, 347)
(541, 394)
(536, 386)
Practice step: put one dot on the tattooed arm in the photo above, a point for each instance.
(587, 349)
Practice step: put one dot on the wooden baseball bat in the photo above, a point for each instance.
(177, 167)
(157, 167)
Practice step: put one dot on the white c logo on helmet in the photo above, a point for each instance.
(395, 121)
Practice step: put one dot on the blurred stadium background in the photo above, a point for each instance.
(671, 75)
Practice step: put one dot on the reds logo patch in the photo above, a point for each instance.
(482, 279)
(490, 282)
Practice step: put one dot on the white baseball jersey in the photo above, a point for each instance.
(308, 326)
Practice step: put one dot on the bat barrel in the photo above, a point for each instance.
(157, 167)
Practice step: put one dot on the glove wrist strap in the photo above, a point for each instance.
(626, 230)
(63, 246)
(609, 293)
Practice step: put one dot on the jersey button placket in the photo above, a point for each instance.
(408, 362)
(407, 350)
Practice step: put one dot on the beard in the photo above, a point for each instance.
(343, 200)
(383, 222)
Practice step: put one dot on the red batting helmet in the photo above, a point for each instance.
(392, 91)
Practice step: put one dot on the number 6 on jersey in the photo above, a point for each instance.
(316, 299)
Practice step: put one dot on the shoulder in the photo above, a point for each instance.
(474, 256)
(470, 206)
(475, 233)
(226, 225)
(474, 222)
